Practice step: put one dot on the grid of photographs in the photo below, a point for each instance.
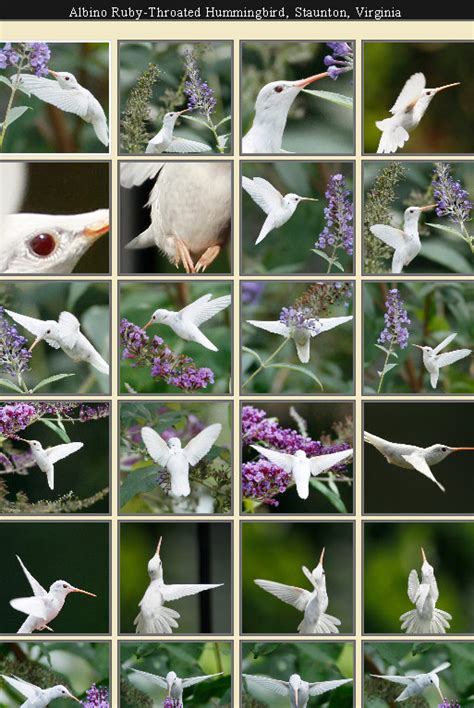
(236, 373)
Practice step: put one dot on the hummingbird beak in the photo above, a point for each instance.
(37, 341)
(305, 82)
(84, 592)
(53, 73)
(99, 228)
(418, 346)
(427, 208)
(457, 449)
(441, 88)
(439, 691)
(148, 324)
(159, 546)
(423, 555)
(185, 110)
(321, 557)
(309, 199)
(73, 698)
(296, 696)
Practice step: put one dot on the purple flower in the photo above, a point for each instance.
(451, 198)
(449, 704)
(251, 292)
(39, 55)
(300, 318)
(263, 480)
(97, 697)
(341, 60)
(14, 354)
(339, 231)
(16, 417)
(99, 410)
(395, 318)
(8, 56)
(171, 703)
(200, 95)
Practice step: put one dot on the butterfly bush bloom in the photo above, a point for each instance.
(8, 56)
(452, 199)
(395, 318)
(341, 60)
(299, 318)
(263, 480)
(449, 704)
(39, 55)
(200, 95)
(15, 417)
(171, 703)
(96, 697)
(338, 231)
(14, 354)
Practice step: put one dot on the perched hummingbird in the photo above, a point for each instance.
(415, 685)
(37, 697)
(296, 689)
(426, 618)
(434, 360)
(165, 141)
(406, 243)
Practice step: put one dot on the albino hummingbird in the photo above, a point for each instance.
(408, 110)
(434, 360)
(413, 457)
(405, 243)
(271, 112)
(186, 322)
(415, 685)
(312, 603)
(46, 458)
(301, 467)
(37, 697)
(64, 334)
(176, 459)
(279, 208)
(66, 93)
(173, 683)
(165, 141)
(301, 335)
(44, 606)
(296, 689)
(154, 617)
(426, 618)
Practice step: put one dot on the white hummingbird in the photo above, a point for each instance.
(186, 322)
(64, 334)
(301, 335)
(405, 242)
(173, 683)
(434, 360)
(271, 112)
(426, 618)
(301, 467)
(165, 141)
(296, 689)
(413, 457)
(66, 93)
(44, 606)
(47, 458)
(279, 208)
(191, 206)
(176, 459)
(37, 697)
(154, 617)
(415, 685)
(407, 111)
(313, 603)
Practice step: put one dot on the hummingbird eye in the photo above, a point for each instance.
(67, 78)
(443, 449)
(278, 89)
(43, 244)
(65, 586)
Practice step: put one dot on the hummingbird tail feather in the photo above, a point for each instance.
(412, 623)
(391, 138)
(326, 624)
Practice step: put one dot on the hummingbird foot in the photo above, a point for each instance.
(209, 255)
(183, 256)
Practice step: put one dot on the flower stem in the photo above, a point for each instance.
(266, 362)
(217, 653)
(10, 100)
(216, 136)
(389, 353)
(332, 259)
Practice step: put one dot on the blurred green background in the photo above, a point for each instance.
(406, 658)
(140, 491)
(215, 63)
(331, 358)
(191, 553)
(74, 664)
(313, 661)
(278, 252)
(440, 252)
(89, 302)
(47, 128)
(138, 301)
(436, 310)
(392, 550)
(447, 125)
(184, 658)
(394, 490)
(276, 551)
(71, 551)
(314, 125)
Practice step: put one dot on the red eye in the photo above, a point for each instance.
(43, 244)
(278, 89)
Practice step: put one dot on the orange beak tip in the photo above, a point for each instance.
(305, 82)
(98, 229)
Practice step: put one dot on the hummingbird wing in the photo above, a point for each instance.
(156, 446)
(29, 690)
(450, 357)
(37, 588)
(48, 90)
(30, 606)
(273, 326)
(325, 462)
(271, 684)
(441, 667)
(59, 452)
(319, 687)
(263, 193)
(292, 595)
(176, 592)
(410, 93)
(395, 238)
(413, 585)
(192, 680)
(33, 325)
(445, 342)
(70, 328)
(204, 308)
(133, 174)
(405, 680)
(160, 680)
(328, 323)
(202, 443)
(419, 463)
(281, 459)
(182, 146)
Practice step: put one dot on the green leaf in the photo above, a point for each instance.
(14, 114)
(264, 648)
(251, 351)
(337, 98)
(61, 433)
(5, 80)
(444, 254)
(141, 480)
(448, 229)
(327, 258)
(386, 369)
(299, 369)
(387, 351)
(335, 499)
(421, 647)
(10, 385)
(193, 119)
(224, 120)
(50, 379)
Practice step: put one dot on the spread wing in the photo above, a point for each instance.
(420, 464)
(442, 345)
(48, 90)
(450, 357)
(410, 93)
(38, 589)
(204, 308)
(193, 680)
(413, 585)
(395, 238)
(133, 174)
(263, 193)
(328, 323)
(29, 690)
(32, 324)
(274, 326)
(297, 597)
(59, 452)
(70, 328)
(441, 667)
(281, 459)
(153, 677)
(176, 592)
(156, 446)
(325, 462)
(271, 684)
(320, 687)
(183, 145)
(202, 443)
(30, 606)
(405, 680)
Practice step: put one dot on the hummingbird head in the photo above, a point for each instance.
(34, 444)
(171, 677)
(277, 96)
(437, 453)
(62, 589)
(427, 570)
(300, 454)
(429, 93)
(158, 317)
(295, 684)
(169, 119)
(50, 330)
(293, 200)
(155, 566)
(61, 692)
(174, 443)
(318, 575)
(434, 680)
(65, 79)
(413, 213)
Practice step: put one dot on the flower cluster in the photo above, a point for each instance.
(451, 198)
(8, 56)
(321, 296)
(263, 480)
(30, 56)
(14, 354)
(338, 214)
(395, 318)
(200, 95)
(251, 292)
(16, 417)
(97, 697)
(300, 318)
(341, 60)
(171, 703)
(88, 412)
(449, 704)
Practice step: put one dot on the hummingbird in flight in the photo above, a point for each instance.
(173, 684)
(434, 358)
(426, 618)
(46, 458)
(296, 689)
(405, 242)
(37, 697)
(166, 141)
(416, 685)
